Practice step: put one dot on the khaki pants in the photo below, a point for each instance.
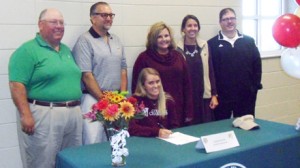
(56, 128)
(93, 132)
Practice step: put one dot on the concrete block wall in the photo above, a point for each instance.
(279, 101)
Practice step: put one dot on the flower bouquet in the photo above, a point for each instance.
(114, 110)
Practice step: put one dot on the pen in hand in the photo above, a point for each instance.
(163, 132)
(161, 126)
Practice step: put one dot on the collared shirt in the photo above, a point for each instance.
(104, 59)
(45, 72)
(230, 40)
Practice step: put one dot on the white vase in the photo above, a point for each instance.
(118, 150)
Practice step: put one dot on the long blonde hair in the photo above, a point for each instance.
(140, 90)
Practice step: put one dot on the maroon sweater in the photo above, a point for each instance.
(149, 126)
(175, 78)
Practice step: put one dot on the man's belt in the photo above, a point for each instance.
(55, 104)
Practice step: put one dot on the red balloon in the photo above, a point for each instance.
(286, 30)
(298, 2)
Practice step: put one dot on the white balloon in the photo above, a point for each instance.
(290, 61)
(297, 11)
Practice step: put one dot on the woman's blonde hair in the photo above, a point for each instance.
(140, 90)
(154, 33)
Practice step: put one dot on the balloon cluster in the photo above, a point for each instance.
(286, 32)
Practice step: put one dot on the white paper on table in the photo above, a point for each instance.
(220, 141)
(178, 138)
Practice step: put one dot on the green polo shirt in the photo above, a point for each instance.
(48, 75)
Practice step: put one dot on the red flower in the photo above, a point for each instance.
(132, 100)
(111, 113)
(115, 110)
(101, 105)
(139, 108)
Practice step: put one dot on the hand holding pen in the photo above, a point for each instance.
(163, 132)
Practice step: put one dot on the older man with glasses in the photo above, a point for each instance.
(101, 58)
(237, 66)
(45, 87)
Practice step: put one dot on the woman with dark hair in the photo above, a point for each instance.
(196, 52)
(161, 54)
(159, 107)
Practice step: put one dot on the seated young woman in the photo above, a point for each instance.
(159, 107)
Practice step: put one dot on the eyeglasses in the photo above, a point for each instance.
(105, 15)
(55, 22)
(228, 19)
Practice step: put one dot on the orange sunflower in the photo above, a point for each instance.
(127, 109)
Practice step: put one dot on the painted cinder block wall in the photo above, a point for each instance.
(278, 101)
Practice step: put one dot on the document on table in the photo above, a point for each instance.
(178, 138)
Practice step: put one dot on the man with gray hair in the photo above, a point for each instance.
(45, 87)
(101, 58)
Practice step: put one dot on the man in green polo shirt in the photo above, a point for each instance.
(45, 87)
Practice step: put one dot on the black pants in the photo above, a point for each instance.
(240, 107)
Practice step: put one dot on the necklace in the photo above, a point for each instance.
(192, 54)
(153, 102)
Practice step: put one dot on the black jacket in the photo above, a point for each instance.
(237, 68)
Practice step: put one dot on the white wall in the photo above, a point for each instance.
(279, 101)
